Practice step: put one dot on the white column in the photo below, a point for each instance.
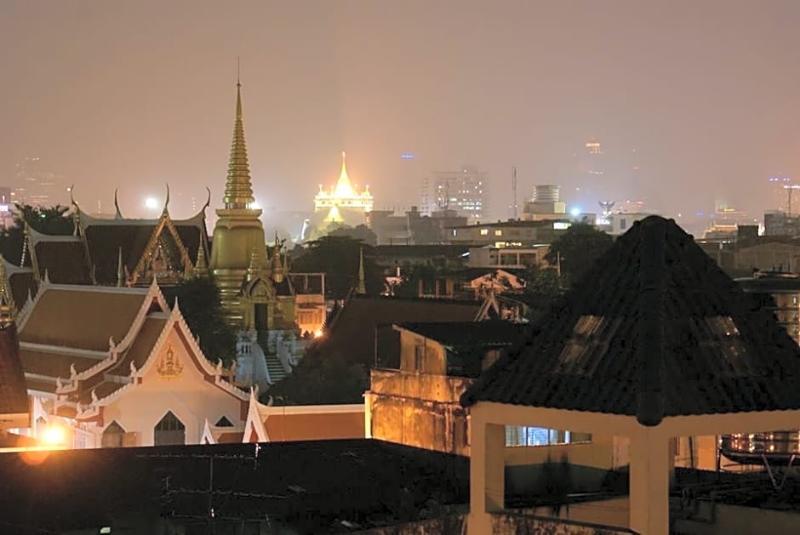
(650, 468)
(486, 471)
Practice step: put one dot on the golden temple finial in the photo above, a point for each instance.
(238, 186)
(343, 187)
(277, 265)
(200, 265)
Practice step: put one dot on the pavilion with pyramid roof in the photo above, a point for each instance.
(656, 342)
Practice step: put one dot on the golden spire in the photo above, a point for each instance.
(277, 265)
(344, 189)
(120, 270)
(238, 187)
(361, 288)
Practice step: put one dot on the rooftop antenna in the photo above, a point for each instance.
(238, 82)
(514, 192)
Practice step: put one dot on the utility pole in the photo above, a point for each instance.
(514, 192)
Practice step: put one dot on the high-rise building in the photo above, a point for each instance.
(36, 185)
(464, 191)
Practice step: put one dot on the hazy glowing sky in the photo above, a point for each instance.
(133, 94)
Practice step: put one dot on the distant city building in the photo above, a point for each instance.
(508, 233)
(489, 256)
(413, 228)
(36, 185)
(620, 222)
(342, 198)
(779, 223)
(464, 191)
(6, 205)
(545, 204)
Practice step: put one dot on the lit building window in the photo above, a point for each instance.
(484, 232)
(498, 232)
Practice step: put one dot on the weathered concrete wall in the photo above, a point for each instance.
(521, 524)
(446, 525)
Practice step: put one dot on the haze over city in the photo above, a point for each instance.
(137, 96)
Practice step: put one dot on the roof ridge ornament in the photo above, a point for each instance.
(118, 212)
(165, 211)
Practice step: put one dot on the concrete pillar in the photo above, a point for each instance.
(486, 472)
(650, 468)
(368, 399)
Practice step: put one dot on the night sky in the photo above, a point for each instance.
(701, 97)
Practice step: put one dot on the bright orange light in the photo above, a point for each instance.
(54, 436)
(318, 333)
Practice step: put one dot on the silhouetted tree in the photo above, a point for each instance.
(48, 220)
(201, 307)
(577, 249)
(337, 257)
(361, 232)
(321, 379)
(542, 288)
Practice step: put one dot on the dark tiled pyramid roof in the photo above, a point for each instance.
(654, 329)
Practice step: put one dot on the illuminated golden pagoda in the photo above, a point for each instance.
(238, 233)
(343, 195)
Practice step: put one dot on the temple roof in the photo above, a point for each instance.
(13, 392)
(62, 257)
(654, 329)
(81, 317)
(355, 332)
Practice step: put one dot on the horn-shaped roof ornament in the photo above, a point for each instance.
(118, 212)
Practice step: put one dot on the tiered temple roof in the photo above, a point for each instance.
(71, 346)
(102, 250)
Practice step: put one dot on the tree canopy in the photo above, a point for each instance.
(330, 378)
(361, 232)
(577, 249)
(201, 307)
(45, 219)
(338, 257)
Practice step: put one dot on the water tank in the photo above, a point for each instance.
(546, 193)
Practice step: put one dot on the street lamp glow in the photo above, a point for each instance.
(53, 436)
(575, 211)
(151, 203)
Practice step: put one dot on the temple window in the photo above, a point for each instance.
(169, 431)
(113, 436)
